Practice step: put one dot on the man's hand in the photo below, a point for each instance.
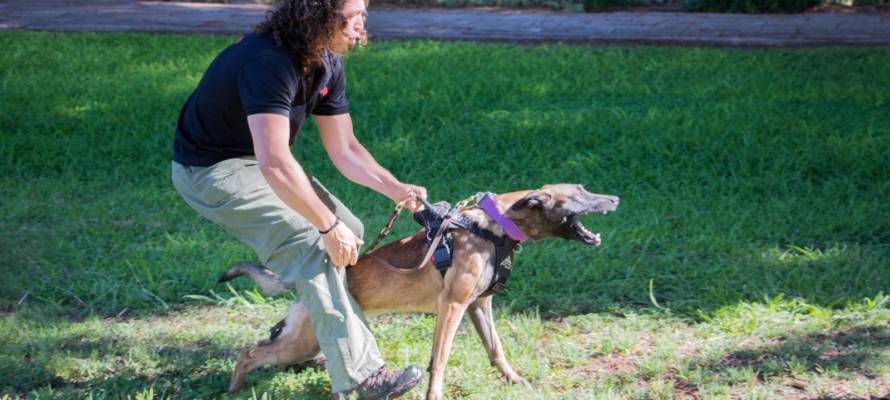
(407, 195)
(342, 245)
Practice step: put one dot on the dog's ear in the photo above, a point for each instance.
(534, 199)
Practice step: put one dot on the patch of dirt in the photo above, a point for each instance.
(645, 343)
(625, 363)
(841, 349)
(840, 389)
(682, 387)
(614, 363)
(741, 358)
(609, 364)
(690, 348)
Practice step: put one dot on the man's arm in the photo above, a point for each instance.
(270, 133)
(356, 164)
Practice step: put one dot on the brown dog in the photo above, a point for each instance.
(380, 286)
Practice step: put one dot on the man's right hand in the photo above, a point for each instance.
(342, 245)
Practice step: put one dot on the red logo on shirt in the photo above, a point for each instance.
(323, 91)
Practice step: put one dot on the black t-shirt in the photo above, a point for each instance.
(252, 76)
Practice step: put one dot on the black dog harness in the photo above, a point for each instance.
(440, 219)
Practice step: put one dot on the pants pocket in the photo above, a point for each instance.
(230, 179)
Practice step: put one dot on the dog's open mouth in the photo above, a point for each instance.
(583, 234)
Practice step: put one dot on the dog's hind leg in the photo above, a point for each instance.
(293, 343)
(481, 315)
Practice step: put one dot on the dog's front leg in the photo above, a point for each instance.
(447, 321)
(483, 320)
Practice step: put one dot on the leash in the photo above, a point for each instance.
(387, 228)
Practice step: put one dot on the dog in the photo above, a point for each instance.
(388, 281)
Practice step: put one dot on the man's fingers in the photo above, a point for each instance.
(343, 255)
(415, 206)
(349, 255)
(357, 244)
(354, 257)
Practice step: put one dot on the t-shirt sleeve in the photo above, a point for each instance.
(335, 101)
(267, 84)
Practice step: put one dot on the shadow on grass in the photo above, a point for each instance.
(82, 364)
(858, 350)
(862, 351)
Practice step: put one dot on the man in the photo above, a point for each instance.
(232, 163)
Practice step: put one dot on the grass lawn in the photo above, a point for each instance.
(750, 257)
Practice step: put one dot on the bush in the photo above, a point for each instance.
(750, 6)
(603, 5)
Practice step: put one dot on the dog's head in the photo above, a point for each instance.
(553, 210)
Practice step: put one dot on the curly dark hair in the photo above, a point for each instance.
(303, 27)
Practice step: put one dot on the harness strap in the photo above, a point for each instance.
(391, 267)
(503, 266)
(503, 253)
(440, 244)
(435, 243)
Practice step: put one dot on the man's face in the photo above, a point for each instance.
(354, 13)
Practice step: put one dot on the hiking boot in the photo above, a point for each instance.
(385, 384)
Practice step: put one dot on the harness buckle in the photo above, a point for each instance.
(518, 248)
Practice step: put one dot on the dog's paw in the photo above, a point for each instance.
(518, 380)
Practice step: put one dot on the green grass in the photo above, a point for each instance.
(754, 187)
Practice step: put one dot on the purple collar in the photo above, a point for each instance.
(488, 205)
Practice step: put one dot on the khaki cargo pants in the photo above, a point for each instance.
(234, 194)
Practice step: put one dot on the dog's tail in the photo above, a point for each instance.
(267, 280)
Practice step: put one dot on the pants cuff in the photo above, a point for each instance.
(360, 376)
